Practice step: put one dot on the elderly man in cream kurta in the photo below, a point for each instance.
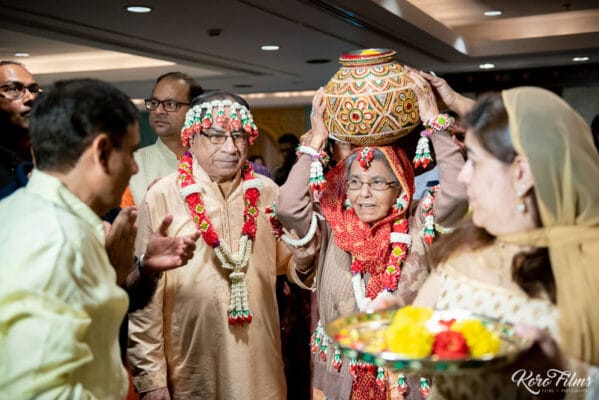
(183, 346)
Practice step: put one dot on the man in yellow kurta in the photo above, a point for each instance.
(60, 306)
(211, 330)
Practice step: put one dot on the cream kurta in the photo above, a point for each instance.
(60, 306)
(183, 336)
(154, 162)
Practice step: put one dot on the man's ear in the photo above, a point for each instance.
(101, 149)
(523, 179)
(32, 156)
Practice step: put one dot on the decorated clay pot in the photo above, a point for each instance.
(368, 101)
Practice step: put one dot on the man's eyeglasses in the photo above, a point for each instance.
(16, 90)
(168, 105)
(375, 184)
(238, 138)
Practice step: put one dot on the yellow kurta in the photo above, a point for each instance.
(183, 336)
(60, 308)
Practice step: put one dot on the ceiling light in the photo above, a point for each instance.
(576, 59)
(21, 54)
(100, 60)
(486, 66)
(139, 9)
(270, 47)
(493, 13)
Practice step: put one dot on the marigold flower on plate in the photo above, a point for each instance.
(410, 340)
(411, 315)
(480, 340)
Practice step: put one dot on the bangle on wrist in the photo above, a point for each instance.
(139, 264)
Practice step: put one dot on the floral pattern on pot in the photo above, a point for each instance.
(368, 101)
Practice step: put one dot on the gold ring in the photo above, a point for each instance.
(425, 90)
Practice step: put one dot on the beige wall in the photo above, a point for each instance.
(272, 123)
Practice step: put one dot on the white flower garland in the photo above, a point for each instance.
(398, 237)
(187, 190)
(306, 239)
(360, 292)
(252, 184)
(362, 301)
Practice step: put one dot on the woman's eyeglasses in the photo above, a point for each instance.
(374, 184)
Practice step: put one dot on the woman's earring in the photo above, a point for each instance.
(521, 206)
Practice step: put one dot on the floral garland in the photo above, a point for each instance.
(317, 180)
(428, 201)
(239, 312)
(279, 233)
(240, 118)
(317, 183)
(400, 241)
(438, 123)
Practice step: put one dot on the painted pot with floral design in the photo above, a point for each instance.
(368, 101)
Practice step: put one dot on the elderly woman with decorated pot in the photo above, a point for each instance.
(364, 238)
(529, 254)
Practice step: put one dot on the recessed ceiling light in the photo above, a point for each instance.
(580, 59)
(21, 54)
(242, 85)
(139, 9)
(486, 66)
(493, 13)
(97, 60)
(270, 47)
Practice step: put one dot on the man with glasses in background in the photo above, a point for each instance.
(18, 89)
(168, 105)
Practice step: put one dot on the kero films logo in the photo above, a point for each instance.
(554, 380)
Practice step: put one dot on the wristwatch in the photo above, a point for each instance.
(139, 264)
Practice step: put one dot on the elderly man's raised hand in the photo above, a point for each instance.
(164, 252)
